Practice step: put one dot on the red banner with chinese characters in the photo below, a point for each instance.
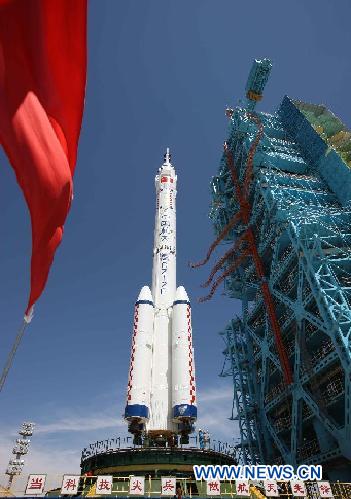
(42, 86)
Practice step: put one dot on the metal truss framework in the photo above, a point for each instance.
(302, 235)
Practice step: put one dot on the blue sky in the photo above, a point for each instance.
(160, 74)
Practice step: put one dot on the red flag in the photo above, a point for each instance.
(42, 85)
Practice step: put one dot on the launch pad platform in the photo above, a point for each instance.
(150, 461)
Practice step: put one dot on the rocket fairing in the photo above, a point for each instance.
(161, 394)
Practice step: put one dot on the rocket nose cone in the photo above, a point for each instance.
(145, 294)
(181, 294)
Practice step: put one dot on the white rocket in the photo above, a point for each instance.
(161, 394)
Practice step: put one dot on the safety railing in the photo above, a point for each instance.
(183, 487)
(126, 443)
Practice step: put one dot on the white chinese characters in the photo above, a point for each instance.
(35, 484)
(213, 487)
(168, 486)
(70, 484)
(242, 488)
(137, 485)
(104, 485)
(271, 488)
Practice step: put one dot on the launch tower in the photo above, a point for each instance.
(161, 394)
(282, 200)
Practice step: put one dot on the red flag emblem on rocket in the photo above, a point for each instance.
(42, 86)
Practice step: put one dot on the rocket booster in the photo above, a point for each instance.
(161, 394)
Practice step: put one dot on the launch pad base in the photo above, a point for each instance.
(152, 461)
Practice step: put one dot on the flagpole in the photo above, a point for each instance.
(26, 320)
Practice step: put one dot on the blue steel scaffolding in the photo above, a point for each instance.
(282, 197)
